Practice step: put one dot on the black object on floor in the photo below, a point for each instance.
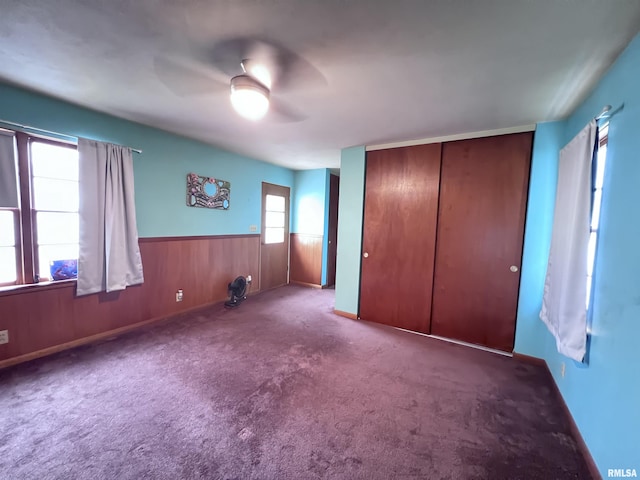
(237, 292)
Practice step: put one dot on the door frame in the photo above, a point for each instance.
(332, 248)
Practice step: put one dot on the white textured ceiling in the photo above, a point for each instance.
(390, 70)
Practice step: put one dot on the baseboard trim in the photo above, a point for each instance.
(351, 316)
(529, 359)
(456, 342)
(9, 362)
(573, 427)
(575, 431)
(460, 342)
(305, 284)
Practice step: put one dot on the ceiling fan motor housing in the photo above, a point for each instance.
(244, 81)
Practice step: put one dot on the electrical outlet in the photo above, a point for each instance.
(563, 369)
(4, 336)
(248, 278)
(179, 296)
(253, 228)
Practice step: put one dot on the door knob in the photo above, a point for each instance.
(365, 255)
(513, 268)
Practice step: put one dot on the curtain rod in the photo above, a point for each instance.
(51, 132)
(606, 112)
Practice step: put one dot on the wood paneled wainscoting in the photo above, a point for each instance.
(306, 259)
(43, 319)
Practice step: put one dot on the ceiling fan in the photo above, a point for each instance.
(255, 73)
(250, 90)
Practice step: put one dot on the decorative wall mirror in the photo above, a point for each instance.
(207, 192)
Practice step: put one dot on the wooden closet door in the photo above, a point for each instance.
(483, 197)
(401, 201)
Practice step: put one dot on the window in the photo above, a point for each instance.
(598, 180)
(274, 219)
(44, 227)
(8, 256)
(54, 181)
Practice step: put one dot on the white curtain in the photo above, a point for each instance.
(8, 177)
(109, 257)
(564, 308)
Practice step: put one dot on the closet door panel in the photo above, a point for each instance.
(401, 201)
(483, 195)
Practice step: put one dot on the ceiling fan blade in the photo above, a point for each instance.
(288, 69)
(184, 79)
(281, 112)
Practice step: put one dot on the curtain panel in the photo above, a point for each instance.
(564, 309)
(109, 257)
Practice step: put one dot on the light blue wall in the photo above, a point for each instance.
(350, 211)
(160, 171)
(308, 202)
(604, 397)
(530, 331)
(310, 208)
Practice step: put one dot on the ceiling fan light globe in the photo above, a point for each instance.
(248, 98)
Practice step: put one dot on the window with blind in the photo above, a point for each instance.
(41, 226)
